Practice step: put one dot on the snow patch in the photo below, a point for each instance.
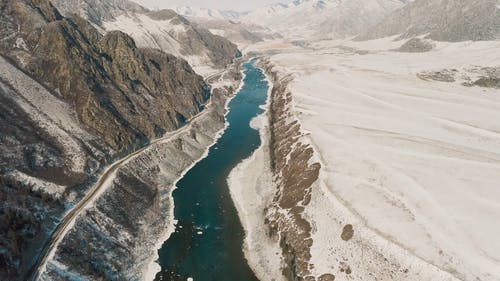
(21, 44)
(37, 184)
(148, 32)
(219, 32)
(165, 35)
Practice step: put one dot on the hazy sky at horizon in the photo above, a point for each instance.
(215, 4)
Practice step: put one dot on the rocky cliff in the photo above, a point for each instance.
(120, 92)
(72, 100)
(294, 182)
(164, 30)
(117, 237)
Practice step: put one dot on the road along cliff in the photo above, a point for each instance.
(118, 231)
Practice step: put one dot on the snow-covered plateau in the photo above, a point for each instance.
(410, 164)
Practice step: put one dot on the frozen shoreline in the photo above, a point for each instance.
(252, 189)
(154, 267)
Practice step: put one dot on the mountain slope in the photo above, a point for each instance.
(192, 12)
(164, 30)
(323, 18)
(443, 20)
(98, 11)
(106, 76)
(227, 24)
(72, 100)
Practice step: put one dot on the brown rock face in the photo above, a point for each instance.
(118, 96)
(294, 177)
(194, 40)
(124, 94)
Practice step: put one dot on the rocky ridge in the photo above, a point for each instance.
(416, 45)
(103, 77)
(321, 19)
(98, 11)
(294, 181)
(73, 100)
(144, 185)
(164, 30)
(342, 250)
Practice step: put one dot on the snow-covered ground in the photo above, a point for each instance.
(413, 165)
(148, 32)
(164, 35)
(320, 18)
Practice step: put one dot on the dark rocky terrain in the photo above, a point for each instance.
(71, 101)
(294, 182)
(194, 40)
(486, 77)
(117, 237)
(416, 45)
(140, 93)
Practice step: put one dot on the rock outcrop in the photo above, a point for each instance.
(486, 77)
(122, 93)
(416, 45)
(294, 180)
(117, 237)
(164, 30)
(72, 100)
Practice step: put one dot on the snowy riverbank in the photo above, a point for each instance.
(409, 164)
(153, 267)
(252, 190)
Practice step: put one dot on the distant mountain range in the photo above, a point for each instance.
(323, 18)
(227, 24)
(438, 19)
(310, 18)
(443, 20)
(193, 12)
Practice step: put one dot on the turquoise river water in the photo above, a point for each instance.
(207, 242)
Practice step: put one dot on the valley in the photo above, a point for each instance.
(311, 140)
(208, 236)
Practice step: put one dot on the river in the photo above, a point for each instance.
(207, 242)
